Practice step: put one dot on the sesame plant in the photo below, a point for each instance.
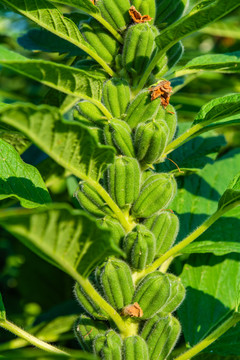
(108, 123)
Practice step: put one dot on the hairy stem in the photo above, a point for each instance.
(233, 320)
(30, 338)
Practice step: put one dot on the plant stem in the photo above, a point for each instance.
(177, 248)
(127, 225)
(101, 107)
(114, 32)
(30, 338)
(233, 320)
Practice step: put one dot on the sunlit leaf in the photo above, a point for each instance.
(232, 194)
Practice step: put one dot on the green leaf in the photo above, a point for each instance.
(218, 248)
(37, 354)
(20, 180)
(69, 239)
(232, 194)
(226, 63)
(85, 5)
(218, 109)
(16, 139)
(72, 81)
(229, 28)
(212, 292)
(68, 143)
(2, 310)
(202, 14)
(46, 15)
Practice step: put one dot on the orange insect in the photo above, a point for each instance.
(162, 90)
(133, 310)
(137, 16)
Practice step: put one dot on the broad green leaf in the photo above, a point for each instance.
(218, 109)
(228, 28)
(212, 285)
(68, 143)
(202, 14)
(232, 194)
(72, 81)
(69, 239)
(218, 248)
(16, 139)
(46, 15)
(84, 5)
(20, 180)
(227, 63)
(2, 310)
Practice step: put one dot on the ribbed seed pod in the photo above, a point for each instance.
(169, 115)
(156, 193)
(88, 303)
(139, 245)
(117, 133)
(91, 201)
(152, 293)
(141, 109)
(87, 329)
(115, 12)
(137, 48)
(161, 336)
(135, 348)
(108, 346)
(176, 297)
(173, 55)
(114, 226)
(150, 141)
(165, 227)
(124, 181)
(145, 7)
(117, 284)
(101, 40)
(91, 112)
(116, 96)
(168, 12)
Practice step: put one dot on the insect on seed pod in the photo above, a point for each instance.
(124, 181)
(139, 246)
(135, 348)
(115, 12)
(165, 228)
(117, 133)
(87, 329)
(116, 281)
(161, 336)
(150, 141)
(116, 96)
(152, 293)
(156, 193)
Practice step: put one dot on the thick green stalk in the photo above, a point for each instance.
(30, 338)
(233, 320)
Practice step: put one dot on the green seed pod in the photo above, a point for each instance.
(135, 348)
(161, 336)
(101, 40)
(141, 109)
(152, 293)
(86, 330)
(91, 112)
(114, 226)
(137, 48)
(117, 284)
(165, 227)
(156, 193)
(115, 12)
(88, 303)
(108, 346)
(145, 7)
(116, 96)
(91, 201)
(124, 181)
(176, 297)
(117, 133)
(173, 55)
(140, 245)
(150, 141)
(168, 12)
(169, 115)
